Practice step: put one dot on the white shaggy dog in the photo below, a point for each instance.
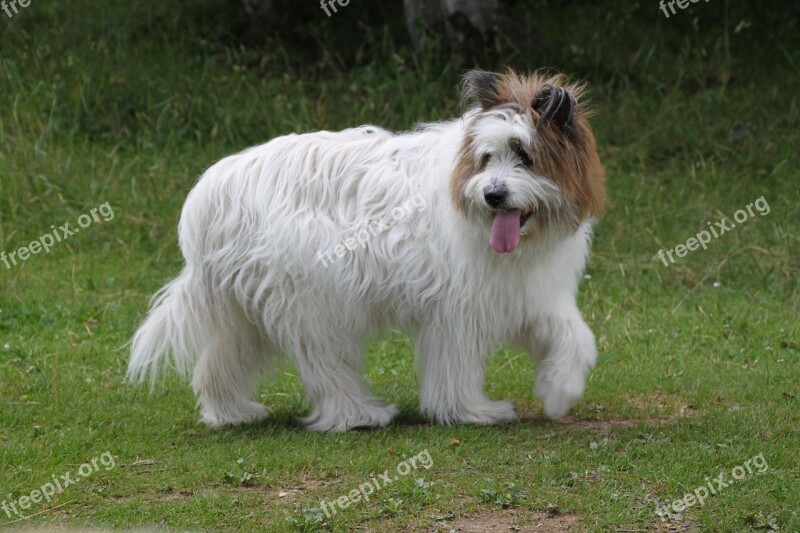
(278, 260)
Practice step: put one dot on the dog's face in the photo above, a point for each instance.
(528, 159)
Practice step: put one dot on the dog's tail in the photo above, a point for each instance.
(177, 325)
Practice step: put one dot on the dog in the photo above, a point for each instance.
(498, 208)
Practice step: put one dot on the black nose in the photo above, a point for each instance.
(495, 196)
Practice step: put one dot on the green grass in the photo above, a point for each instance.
(127, 103)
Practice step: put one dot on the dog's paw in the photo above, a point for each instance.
(338, 420)
(561, 378)
(226, 416)
(491, 412)
(485, 413)
(560, 396)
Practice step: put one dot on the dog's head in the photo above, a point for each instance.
(528, 160)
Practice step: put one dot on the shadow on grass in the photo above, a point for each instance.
(281, 423)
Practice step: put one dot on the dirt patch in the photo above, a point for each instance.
(570, 422)
(667, 408)
(666, 405)
(509, 520)
(180, 496)
(286, 494)
(596, 425)
(183, 496)
(292, 492)
(676, 527)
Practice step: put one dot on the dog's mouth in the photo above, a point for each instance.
(506, 229)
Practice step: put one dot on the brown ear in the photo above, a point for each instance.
(555, 106)
(480, 87)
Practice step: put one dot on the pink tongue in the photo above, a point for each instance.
(505, 232)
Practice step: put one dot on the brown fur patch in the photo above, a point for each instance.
(567, 156)
(466, 167)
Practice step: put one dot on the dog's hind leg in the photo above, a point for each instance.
(228, 369)
(331, 373)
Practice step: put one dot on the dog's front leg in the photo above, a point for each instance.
(451, 367)
(564, 347)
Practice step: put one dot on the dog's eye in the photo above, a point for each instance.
(485, 160)
(523, 155)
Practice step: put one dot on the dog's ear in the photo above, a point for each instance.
(480, 87)
(555, 106)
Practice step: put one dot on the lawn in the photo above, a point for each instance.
(118, 107)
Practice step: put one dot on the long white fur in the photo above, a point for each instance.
(253, 287)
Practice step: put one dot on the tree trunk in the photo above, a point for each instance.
(464, 22)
